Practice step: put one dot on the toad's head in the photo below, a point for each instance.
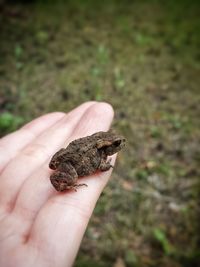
(110, 142)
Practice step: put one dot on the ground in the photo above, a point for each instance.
(143, 58)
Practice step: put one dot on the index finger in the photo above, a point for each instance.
(12, 143)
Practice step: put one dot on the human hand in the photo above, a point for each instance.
(38, 225)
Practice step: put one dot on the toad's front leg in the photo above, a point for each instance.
(105, 165)
(65, 177)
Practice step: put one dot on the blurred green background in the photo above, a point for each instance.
(143, 57)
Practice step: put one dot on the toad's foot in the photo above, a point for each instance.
(105, 165)
(75, 186)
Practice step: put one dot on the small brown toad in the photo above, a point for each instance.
(82, 157)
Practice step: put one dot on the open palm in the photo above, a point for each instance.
(39, 226)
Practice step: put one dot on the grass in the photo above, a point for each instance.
(143, 58)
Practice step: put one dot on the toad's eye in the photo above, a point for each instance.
(117, 143)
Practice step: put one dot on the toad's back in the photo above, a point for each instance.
(83, 155)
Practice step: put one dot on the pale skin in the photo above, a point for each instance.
(38, 225)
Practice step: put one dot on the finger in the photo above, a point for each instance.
(63, 221)
(64, 217)
(11, 144)
(34, 156)
(28, 203)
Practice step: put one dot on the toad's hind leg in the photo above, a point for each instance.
(105, 165)
(60, 183)
(65, 178)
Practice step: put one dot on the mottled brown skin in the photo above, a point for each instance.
(83, 157)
